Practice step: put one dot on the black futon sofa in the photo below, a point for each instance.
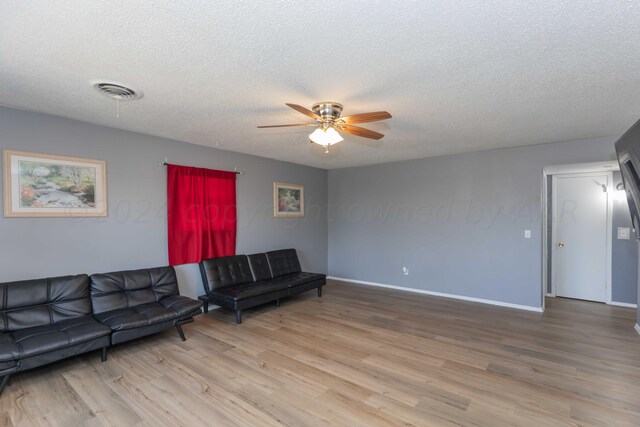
(140, 302)
(244, 281)
(45, 320)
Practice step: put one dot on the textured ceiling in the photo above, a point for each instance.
(456, 75)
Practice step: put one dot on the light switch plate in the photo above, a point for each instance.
(527, 234)
(624, 233)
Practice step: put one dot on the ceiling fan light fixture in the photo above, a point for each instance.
(325, 137)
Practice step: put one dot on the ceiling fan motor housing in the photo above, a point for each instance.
(329, 111)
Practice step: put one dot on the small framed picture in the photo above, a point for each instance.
(43, 185)
(288, 200)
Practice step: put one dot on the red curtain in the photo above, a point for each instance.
(201, 209)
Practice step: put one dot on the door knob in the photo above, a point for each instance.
(561, 245)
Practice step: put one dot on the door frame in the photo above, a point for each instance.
(595, 167)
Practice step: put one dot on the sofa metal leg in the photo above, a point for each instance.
(319, 291)
(181, 332)
(238, 316)
(277, 303)
(206, 306)
(103, 354)
(186, 321)
(4, 382)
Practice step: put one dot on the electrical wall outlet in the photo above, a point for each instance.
(527, 234)
(405, 271)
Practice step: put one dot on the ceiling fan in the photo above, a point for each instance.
(327, 117)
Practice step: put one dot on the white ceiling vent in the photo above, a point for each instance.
(116, 90)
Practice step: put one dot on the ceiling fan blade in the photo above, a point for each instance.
(304, 111)
(358, 131)
(366, 117)
(287, 126)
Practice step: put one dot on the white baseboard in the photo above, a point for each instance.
(441, 294)
(637, 328)
(623, 304)
(619, 304)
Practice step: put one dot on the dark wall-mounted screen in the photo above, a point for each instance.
(628, 149)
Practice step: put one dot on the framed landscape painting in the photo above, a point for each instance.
(288, 200)
(43, 185)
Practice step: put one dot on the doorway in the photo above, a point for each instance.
(577, 237)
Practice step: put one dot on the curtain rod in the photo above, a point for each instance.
(237, 172)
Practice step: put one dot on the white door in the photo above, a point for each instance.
(580, 232)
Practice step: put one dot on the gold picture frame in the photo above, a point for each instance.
(46, 185)
(288, 200)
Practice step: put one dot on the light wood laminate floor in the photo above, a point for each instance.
(358, 356)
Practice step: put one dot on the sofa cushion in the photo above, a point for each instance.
(124, 289)
(9, 350)
(31, 303)
(259, 267)
(8, 367)
(225, 271)
(137, 316)
(181, 305)
(250, 290)
(42, 339)
(284, 261)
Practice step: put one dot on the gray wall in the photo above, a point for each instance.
(451, 220)
(457, 221)
(624, 253)
(134, 234)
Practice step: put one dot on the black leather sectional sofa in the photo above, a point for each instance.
(45, 320)
(243, 281)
